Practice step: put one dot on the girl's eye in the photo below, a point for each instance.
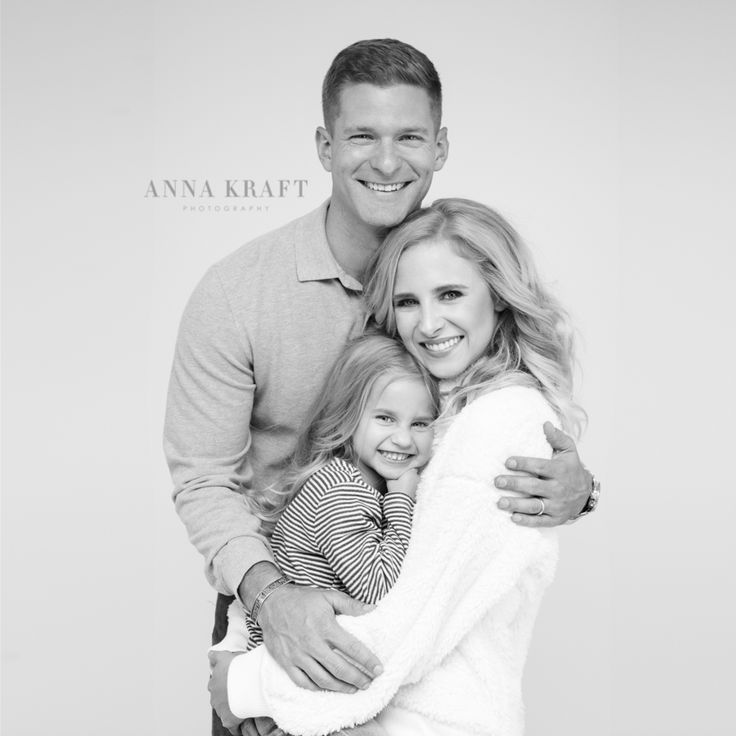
(451, 295)
(384, 418)
(421, 425)
(405, 302)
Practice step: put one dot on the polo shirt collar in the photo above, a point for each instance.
(314, 259)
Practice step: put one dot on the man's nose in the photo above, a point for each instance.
(386, 159)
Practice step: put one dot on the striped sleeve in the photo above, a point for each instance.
(363, 537)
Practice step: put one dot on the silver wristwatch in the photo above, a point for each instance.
(592, 502)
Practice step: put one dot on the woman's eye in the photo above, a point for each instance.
(450, 295)
(405, 302)
(420, 425)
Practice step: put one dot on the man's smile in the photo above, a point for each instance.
(376, 187)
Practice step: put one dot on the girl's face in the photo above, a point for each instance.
(445, 314)
(394, 433)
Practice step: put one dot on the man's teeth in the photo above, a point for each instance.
(384, 187)
(438, 347)
(395, 457)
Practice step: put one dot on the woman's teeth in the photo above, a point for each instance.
(439, 347)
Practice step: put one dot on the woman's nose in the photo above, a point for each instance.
(430, 321)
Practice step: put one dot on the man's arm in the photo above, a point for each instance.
(207, 439)
(562, 482)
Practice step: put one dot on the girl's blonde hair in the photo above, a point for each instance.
(334, 417)
(532, 343)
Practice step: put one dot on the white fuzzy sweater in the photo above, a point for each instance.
(454, 631)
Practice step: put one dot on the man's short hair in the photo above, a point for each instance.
(382, 62)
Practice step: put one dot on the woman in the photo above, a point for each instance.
(457, 285)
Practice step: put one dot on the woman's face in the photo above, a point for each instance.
(445, 314)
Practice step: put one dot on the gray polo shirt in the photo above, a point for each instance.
(256, 341)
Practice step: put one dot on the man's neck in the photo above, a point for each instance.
(352, 244)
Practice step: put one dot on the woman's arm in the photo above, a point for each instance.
(464, 557)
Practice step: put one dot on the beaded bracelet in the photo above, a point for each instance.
(261, 598)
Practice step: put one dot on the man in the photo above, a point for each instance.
(265, 325)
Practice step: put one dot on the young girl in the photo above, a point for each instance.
(345, 510)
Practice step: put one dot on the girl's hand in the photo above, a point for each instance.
(406, 483)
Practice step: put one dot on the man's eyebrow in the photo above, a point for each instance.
(369, 129)
(358, 129)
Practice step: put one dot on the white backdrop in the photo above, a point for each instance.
(604, 130)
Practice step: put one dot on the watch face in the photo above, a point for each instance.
(594, 495)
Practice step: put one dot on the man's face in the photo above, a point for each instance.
(382, 152)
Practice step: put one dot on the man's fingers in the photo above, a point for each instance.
(530, 506)
(300, 679)
(558, 440)
(343, 603)
(534, 521)
(325, 680)
(353, 652)
(346, 669)
(534, 465)
(530, 485)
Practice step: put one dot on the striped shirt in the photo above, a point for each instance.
(340, 532)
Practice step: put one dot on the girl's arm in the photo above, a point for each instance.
(465, 556)
(364, 538)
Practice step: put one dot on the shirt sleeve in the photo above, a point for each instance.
(363, 538)
(465, 558)
(207, 436)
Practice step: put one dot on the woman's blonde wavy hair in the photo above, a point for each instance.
(532, 343)
(330, 426)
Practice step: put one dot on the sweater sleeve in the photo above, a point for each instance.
(465, 558)
(364, 538)
(207, 436)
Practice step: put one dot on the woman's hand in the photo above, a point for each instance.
(558, 488)
(220, 664)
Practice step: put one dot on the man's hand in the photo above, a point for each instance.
(559, 487)
(300, 632)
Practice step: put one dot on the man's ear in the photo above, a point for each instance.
(442, 148)
(324, 147)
